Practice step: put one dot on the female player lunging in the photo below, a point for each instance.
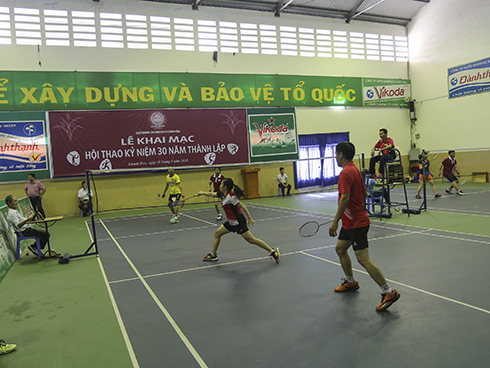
(234, 210)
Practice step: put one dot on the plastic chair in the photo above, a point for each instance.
(21, 237)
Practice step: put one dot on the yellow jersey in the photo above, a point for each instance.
(173, 183)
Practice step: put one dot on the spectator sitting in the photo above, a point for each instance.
(282, 182)
(83, 197)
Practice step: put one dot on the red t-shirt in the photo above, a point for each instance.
(216, 180)
(383, 144)
(350, 182)
(448, 166)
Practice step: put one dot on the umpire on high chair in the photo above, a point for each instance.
(384, 148)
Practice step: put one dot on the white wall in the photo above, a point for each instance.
(444, 34)
(363, 123)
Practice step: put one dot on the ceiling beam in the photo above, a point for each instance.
(195, 4)
(283, 4)
(353, 10)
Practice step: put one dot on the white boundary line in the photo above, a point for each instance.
(120, 321)
(407, 286)
(373, 223)
(461, 212)
(248, 260)
(172, 322)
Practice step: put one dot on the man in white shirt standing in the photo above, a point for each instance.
(282, 182)
(23, 225)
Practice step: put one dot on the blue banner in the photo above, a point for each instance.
(470, 78)
(22, 146)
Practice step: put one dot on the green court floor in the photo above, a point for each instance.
(63, 316)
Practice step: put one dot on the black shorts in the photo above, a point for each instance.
(239, 229)
(176, 200)
(357, 237)
(451, 177)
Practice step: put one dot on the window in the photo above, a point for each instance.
(323, 171)
(58, 27)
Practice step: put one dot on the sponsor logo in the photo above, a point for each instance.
(266, 128)
(73, 158)
(473, 78)
(106, 165)
(210, 158)
(157, 120)
(29, 129)
(232, 148)
(36, 157)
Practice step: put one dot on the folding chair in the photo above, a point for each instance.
(21, 237)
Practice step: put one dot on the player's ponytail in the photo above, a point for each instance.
(228, 183)
(238, 191)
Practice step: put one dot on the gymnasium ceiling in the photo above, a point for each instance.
(398, 12)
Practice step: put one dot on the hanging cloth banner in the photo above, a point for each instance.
(47, 91)
(469, 79)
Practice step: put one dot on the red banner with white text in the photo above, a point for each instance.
(106, 140)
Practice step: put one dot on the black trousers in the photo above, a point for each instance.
(41, 234)
(84, 207)
(282, 186)
(383, 159)
(37, 205)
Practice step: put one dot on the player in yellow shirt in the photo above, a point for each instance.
(173, 182)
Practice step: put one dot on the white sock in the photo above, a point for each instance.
(350, 279)
(386, 289)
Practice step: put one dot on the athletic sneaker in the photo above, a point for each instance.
(387, 300)
(174, 220)
(449, 191)
(275, 254)
(437, 195)
(6, 348)
(210, 257)
(347, 286)
(460, 192)
(418, 197)
(220, 217)
(33, 250)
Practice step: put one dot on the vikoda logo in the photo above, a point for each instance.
(385, 92)
(266, 128)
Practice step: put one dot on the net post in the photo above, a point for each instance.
(94, 243)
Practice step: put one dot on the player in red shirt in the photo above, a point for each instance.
(384, 151)
(448, 166)
(230, 195)
(355, 226)
(215, 183)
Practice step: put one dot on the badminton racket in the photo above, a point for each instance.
(435, 156)
(310, 228)
(183, 202)
(462, 182)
